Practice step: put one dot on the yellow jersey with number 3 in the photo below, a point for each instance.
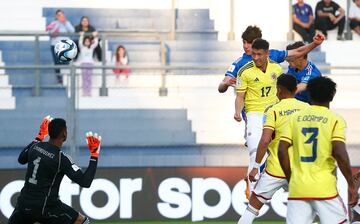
(276, 118)
(260, 87)
(311, 132)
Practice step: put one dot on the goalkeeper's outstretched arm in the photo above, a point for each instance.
(74, 172)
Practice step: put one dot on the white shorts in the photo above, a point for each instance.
(329, 211)
(254, 129)
(267, 185)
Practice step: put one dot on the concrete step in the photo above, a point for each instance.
(44, 91)
(41, 103)
(6, 102)
(123, 138)
(5, 92)
(137, 13)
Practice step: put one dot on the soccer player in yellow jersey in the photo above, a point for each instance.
(277, 117)
(256, 90)
(317, 137)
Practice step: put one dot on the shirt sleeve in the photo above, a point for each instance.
(234, 68)
(339, 130)
(286, 134)
(74, 172)
(69, 27)
(241, 83)
(278, 56)
(270, 118)
(23, 157)
(310, 10)
(335, 5)
(318, 7)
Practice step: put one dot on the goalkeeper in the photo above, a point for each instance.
(47, 164)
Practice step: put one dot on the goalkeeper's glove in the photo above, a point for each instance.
(93, 141)
(44, 128)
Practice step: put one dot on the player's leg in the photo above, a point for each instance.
(299, 212)
(264, 189)
(17, 217)
(253, 135)
(62, 213)
(331, 211)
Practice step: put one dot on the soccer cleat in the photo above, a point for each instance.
(93, 141)
(44, 128)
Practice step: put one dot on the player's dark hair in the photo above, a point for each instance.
(56, 126)
(321, 89)
(259, 44)
(296, 45)
(251, 33)
(288, 82)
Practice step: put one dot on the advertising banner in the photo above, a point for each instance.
(187, 193)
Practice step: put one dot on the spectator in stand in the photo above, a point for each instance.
(330, 15)
(87, 46)
(84, 26)
(354, 16)
(303, 20)
(59, 26)
(121, 59)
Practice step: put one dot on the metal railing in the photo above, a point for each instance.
(104, 36)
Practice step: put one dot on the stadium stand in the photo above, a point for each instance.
(196, 45)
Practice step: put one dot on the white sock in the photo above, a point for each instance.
(249, 215)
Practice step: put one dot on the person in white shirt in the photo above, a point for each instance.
(121, 59)
(86, 59)
(354, 16)
(58, 30)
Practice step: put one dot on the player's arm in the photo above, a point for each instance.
(260, 152)
(225, 83)
(341, 156)
(301, 51)
(239, 105)
(43, 132)
(284, 160)
(23, 157)
(74, 172)
(230, 77)
(300, 87)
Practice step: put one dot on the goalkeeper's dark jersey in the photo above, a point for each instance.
(47, 165)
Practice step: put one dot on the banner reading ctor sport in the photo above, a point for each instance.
(191, 193)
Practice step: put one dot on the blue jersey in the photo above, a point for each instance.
(309, 72)
(275, 55)
(303, 13)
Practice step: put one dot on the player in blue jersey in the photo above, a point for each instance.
(251, 33)
(303, 70)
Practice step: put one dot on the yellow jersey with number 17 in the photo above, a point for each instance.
(311, 133)
(277, 117)
(260, 87)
